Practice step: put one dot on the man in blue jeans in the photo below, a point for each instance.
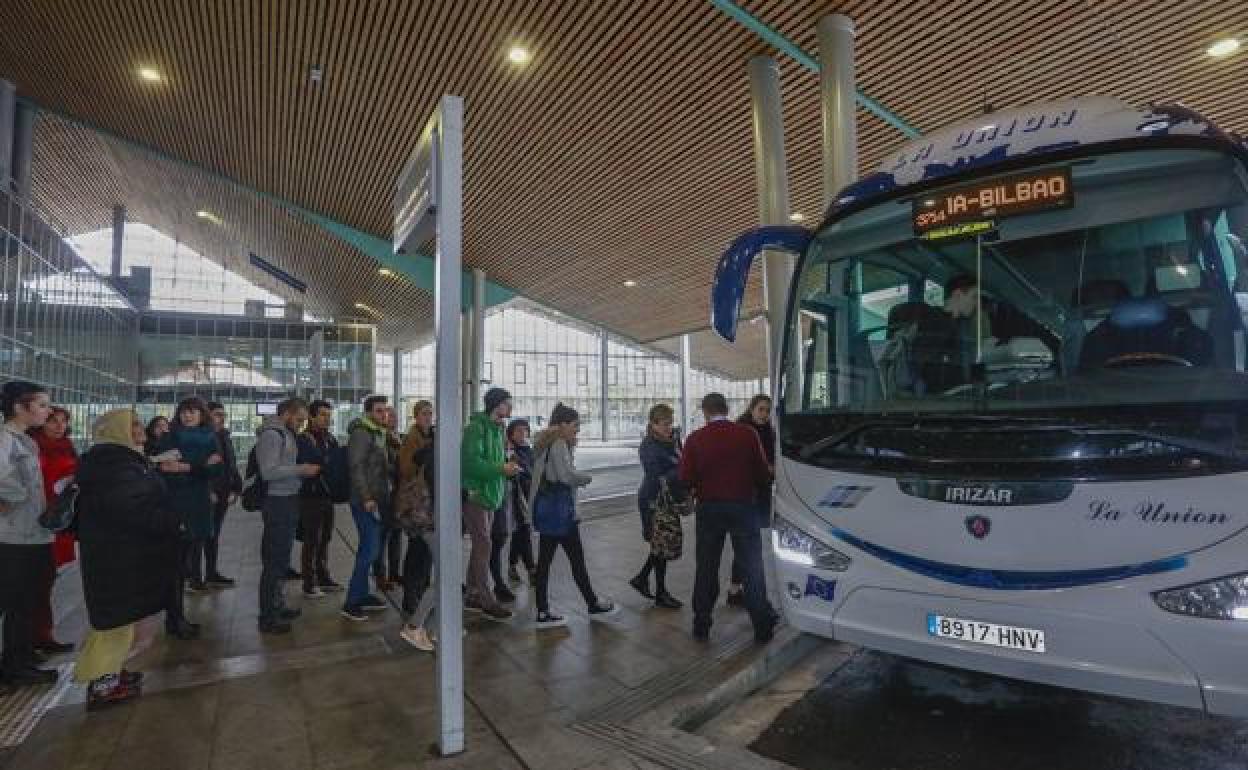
(724, 464)
(277, 456)
(372, 482)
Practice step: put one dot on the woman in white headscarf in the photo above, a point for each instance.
(127, 536)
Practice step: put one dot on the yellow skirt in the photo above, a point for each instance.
(104, 653)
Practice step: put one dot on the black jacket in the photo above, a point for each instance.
(231, 481)
(128, 537)
(314, 452)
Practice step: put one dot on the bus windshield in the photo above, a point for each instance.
(1120, 310)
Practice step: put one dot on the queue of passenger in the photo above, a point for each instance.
(151, 502)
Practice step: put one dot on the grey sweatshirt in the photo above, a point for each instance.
(277, 454)
(557, 464)
(21, 490)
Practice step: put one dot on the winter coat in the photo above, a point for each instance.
(660, 460)
(22, 499)
(57, 460)
(127, 533)
(481, 458)
(417, 456)
(369, 457)
(190, 493)
(315, 449)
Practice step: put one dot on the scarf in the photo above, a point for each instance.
(114, 428)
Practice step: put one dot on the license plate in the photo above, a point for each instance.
(992, 634)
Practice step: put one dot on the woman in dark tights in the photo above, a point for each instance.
(660, 460)
(554, 473)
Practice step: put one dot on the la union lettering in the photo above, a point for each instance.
(1151, 512)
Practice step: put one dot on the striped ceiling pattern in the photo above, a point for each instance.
(620, 152)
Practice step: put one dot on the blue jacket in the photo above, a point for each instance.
(659, 460)
(190, 493)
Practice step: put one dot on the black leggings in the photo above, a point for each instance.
(389, 555)
(522, 544)
(175, 615)
(571, 543)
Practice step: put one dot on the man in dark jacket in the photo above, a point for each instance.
(225, 490)
(372, 493)
(724, 464)
(316, 506)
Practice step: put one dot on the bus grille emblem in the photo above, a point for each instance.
(978, 526)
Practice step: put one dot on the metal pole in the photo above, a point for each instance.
(604, 393)
(119, 239)
(8, 107)
(448, 160)
(773, 201)
(398, 390)
(23, 147)
(686, 416)
(478, 335)
(836, 87)
(465, 352)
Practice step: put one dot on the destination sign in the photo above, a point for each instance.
(993, 200)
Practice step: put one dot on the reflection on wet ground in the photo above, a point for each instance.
(879, 711)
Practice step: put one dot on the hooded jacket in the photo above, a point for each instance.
(368, 456)
(21, 490)
(482, 457)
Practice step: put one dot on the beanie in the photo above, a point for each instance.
(494, 397)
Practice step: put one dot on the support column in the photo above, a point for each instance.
(119, 239)
(8, 114)
(23, 148)
(397, 399)
(465, 363)
(478, 335)
(604, 393)
(686, 415)
(773, 201)
(838, 104)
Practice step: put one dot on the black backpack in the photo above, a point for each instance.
(255, 488)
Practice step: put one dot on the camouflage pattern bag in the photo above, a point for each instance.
(667, 538)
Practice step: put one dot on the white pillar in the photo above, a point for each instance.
(773, 200)
(465, 364)
(839, 103)
(604, 393)
(686, 415)
(478, 336)
(397, 401)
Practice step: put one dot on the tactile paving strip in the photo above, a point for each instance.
(20, 712)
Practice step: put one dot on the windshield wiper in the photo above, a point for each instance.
(827, 442)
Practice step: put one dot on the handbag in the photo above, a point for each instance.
(554, 510)
(62, 515)
(413, 506)
(667, 539)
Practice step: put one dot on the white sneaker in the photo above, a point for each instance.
(547, 620)
(417, 637)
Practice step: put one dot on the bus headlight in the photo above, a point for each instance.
(1223, 599)
(794, 545)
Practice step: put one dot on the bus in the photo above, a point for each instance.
(1010, 404)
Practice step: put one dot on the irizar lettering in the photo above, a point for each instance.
(1150, 512)
(978, 495)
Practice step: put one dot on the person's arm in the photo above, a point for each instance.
(686, 470)
(269, 457)
(357, 456)
(12, 491)
(559, 467)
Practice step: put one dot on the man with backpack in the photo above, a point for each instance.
(317, 446)
(277, 458)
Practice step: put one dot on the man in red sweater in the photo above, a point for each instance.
(724, 464)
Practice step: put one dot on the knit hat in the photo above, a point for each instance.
(494, 397)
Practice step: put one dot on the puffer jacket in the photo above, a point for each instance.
(21, 490)
(368, 456)
(481, 457)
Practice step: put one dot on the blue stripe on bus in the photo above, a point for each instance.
(1011, 580)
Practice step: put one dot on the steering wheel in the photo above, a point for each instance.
(1143, 359)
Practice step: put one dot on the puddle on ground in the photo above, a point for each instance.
(879, 712)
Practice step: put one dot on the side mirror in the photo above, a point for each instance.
(734, 270)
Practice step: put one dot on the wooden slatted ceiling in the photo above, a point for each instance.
(622, 151)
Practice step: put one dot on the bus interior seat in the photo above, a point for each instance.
(1146, 325)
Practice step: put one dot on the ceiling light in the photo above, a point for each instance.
(362, 306)
(518, 54)
(988, 127)
(150, 74)
(385, 272)
(208, 216)
(630, 284)
(1223, 48)
(797, 216)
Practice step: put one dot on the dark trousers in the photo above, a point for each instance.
(738, 521)
(194, 567)
(571, 544)
(764, 520)
(42, 619)
(175, 612)
(498, 543)
(417, 572)
(212, 544)
(316, 521)
(522, 543)
(280, 514)
(22, 570)
(390, 555)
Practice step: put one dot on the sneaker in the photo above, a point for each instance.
(504, 594)
(289, 613)
(314, 592)
(642, 586)
(373, 604)
(220, 581)
(604, 609)
(513, 574)
(667, 601)
(417, 637)
(736, 598)
(275, 627)
(109, 691)
(497, 612)
(547, 620)
(354, 613)
(330, 587)
(767, 632)
(132, 677)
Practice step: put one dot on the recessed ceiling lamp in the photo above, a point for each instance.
(365, 308)
(208, 216)
(518, 54)
(1223, 48)
(385, 272)
(151, 74)
(630, 284)
(797, 216)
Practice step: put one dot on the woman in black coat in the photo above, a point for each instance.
(660, 461)
(127, 535)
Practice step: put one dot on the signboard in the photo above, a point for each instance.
(266, 410)
(416, 192)
(981, 203)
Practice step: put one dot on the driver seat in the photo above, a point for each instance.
(1146, 325)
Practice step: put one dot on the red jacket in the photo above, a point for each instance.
(57, 459)
(724, 462)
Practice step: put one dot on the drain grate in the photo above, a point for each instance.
(20, 712)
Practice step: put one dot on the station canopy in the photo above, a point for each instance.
(619, 151)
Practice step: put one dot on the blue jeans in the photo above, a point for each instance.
(280, 514)
(368, 525)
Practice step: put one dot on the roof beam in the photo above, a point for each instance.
(777, 40)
